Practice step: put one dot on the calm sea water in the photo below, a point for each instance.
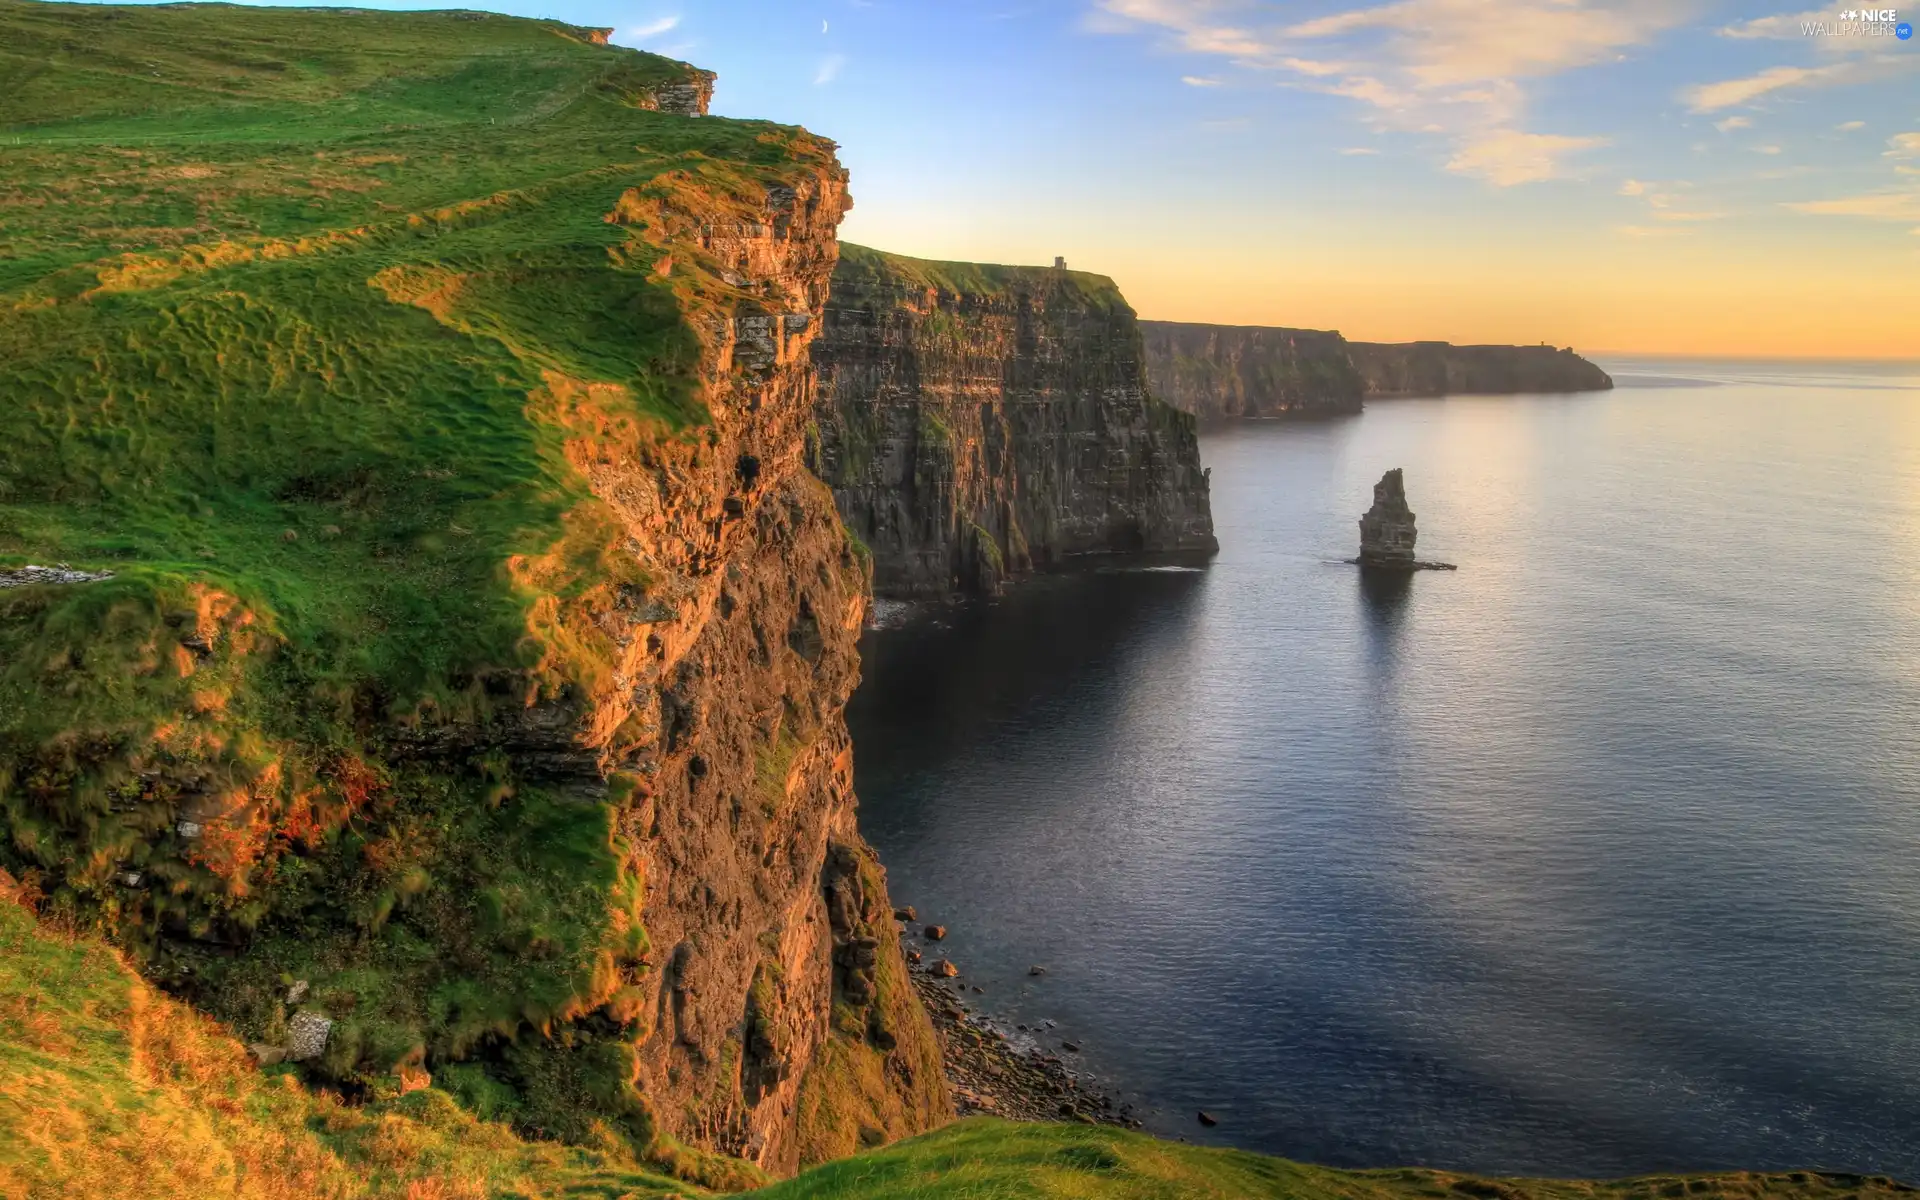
(1600, 855)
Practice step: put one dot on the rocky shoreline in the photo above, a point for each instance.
(990, 1074)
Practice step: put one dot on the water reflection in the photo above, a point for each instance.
(968, 667)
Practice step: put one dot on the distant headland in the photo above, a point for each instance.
(1242, 372)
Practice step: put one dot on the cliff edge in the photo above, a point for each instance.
(1443, 369)
(447, 681)
(976, 422)
(1247, 372)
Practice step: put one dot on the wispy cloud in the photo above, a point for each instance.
(1891, 204)
(1711, 97)
(1777, 28)
(1850, 126)
(1422, 66)
(1766, 149)
(1507, 156)
(1661, 198)
(1839, 61)
(1733, 123)
(1356, 151)
(829, 70)
(651, 29)
(1199, 81)
(1904, 145)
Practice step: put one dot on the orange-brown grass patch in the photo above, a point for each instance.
(111, 1089)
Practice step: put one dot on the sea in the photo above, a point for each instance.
(1597, 856)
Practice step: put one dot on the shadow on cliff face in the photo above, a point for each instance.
(952, 669)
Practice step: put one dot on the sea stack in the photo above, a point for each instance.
(1386, 531)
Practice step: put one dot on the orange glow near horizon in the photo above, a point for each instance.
(1763, 291)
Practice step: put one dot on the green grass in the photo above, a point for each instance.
(984, 1159)
(862, 269)
(307, 318)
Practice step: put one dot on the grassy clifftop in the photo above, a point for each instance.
(863, 270)
(108, 1088)
(310, 323)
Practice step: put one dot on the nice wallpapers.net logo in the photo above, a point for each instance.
(1861, 22)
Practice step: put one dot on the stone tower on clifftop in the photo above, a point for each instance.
(1386, 531)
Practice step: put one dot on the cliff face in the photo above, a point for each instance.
(466, 705)
(784, 1028)
(976, 422)
(1236, 372)
(1441, 368)
(1230, 372)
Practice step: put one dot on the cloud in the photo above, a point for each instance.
(1781, 27)
(1190, 21)
(1354, 151)
(1850, 126)
(1421, 66)
(829, 71)
(1707, 97)
(1729, 93)
(1766, 149)
(1447, 42)
(653, 28)
(1633, 187)
(1199, 81)
(1507, 157)
(1889, 205)
(1733, 123)
(1904, 145)
(1308, 66)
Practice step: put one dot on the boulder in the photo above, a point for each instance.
(307, 1035)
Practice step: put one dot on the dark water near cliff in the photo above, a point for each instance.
(1600, 855)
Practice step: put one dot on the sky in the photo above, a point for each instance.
(1657, 176)
(1625, 176)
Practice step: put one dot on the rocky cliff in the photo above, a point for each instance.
(1237, 372)
(1233, 372)
(447, 682)
(1441, 369)
(977, 422)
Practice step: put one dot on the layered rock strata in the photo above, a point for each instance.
(1441, 369)
(1229, 373)
(1243, 372)
(979, 422)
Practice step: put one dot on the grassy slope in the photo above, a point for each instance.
(305, 317)
(108, 1088)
